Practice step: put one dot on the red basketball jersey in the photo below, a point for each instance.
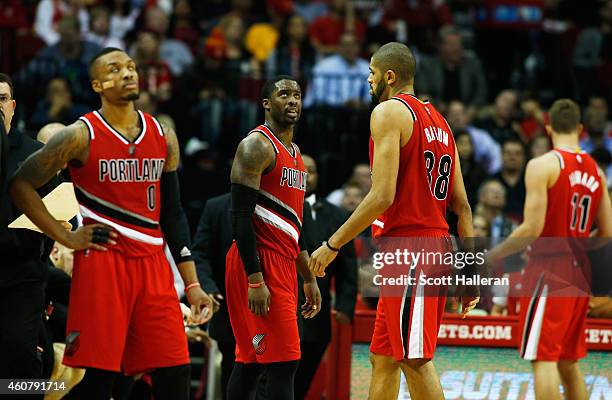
(425, 176)
(278, 213)
(119, 184)
(574, 199)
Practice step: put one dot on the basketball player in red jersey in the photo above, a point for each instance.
(124, 314)
(566, 194)
(268, 186)
(415, 176)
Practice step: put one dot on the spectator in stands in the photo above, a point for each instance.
(491, 202)
(501, 123)
(538, 145)
(340, 80)
(123, 16)
(69, 58)
(487, 151)
(222, 76)
(533, 120)
(482, 228)
(183, 26)
(146, 103)
(13, 15)
(603, 157)
(50, 12)
(57, 106)
(512, 177)
(361, 174)
(154, 74)
(453, 74)
(99, 31)
(326, 31)
(294, 55)
(473, 173)
(595, 124)
(422, 18)
(174, 52)
(353, 196)
(592, 55)
(310, 10)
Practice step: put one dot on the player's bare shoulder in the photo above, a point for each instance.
(545, 167)
(173, 157)
(69, 144)
(255, 150)
(391, 116)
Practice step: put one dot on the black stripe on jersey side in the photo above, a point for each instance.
(101, 208)
(277, 208)
(530, 314)
(406, 312)
(404, 102)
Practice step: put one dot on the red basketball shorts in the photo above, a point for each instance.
(124, 314)
(273, 338)
(551, 322)
(408, 316)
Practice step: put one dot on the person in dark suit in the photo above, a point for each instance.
(321, 219)
(212, 240)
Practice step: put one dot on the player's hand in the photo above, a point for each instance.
(342, 317)
(201, 305)
(217, 298)
(468, 296)
(259, 300)
(92, 236)
(320, 259)
(312, 306)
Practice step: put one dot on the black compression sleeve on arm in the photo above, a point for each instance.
(244, 200)
(172, 219)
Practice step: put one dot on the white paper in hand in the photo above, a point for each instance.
(61, 203)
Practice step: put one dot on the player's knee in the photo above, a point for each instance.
(383, 364)
(568, 368)
(415, 364)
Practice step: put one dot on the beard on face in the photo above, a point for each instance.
(380, 88)
(131, 96)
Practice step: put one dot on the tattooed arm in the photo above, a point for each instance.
(69, 144)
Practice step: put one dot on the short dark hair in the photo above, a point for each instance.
(514, 140)
(269, 86)
(4, 78)
(398, 58)
(101, 53)
(564, 116)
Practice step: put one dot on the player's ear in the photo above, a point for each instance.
(580, 128)
(391, 77)
(96, 86)
(549, 130)
(266, 104)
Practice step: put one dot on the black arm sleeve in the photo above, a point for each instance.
(244, 200)
(172, 219)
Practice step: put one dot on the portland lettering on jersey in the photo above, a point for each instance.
(293, 178)
(434, 133)
(131, 170)
(584, 179)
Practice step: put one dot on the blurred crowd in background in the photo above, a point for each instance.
(492, 67)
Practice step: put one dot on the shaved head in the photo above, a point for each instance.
(398, 58)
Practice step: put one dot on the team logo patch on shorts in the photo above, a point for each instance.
(72, 343)
(259, 344)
